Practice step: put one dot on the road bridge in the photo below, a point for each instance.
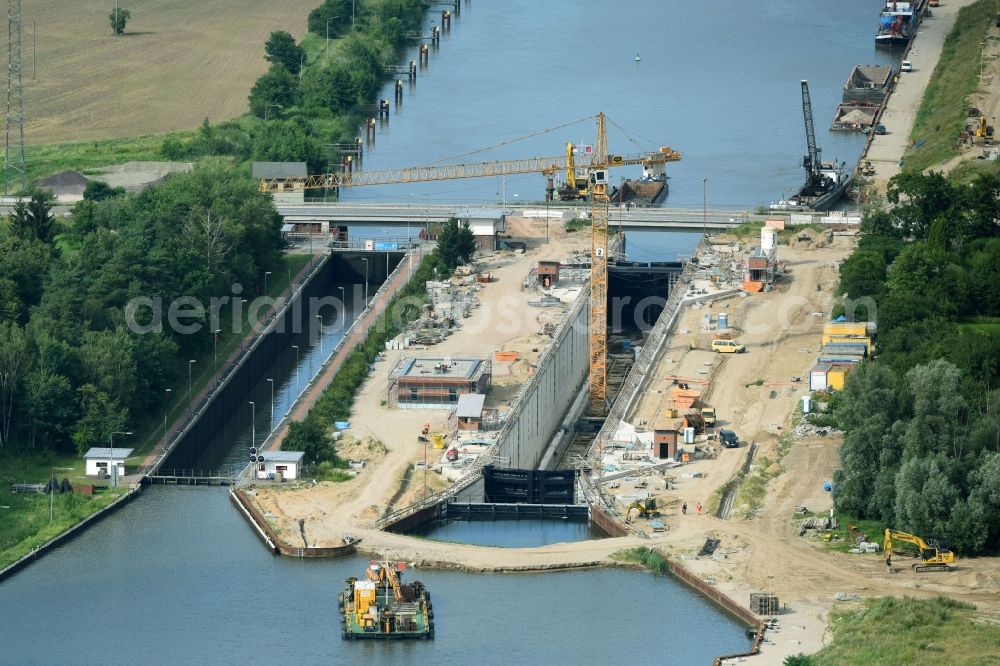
(694, 219)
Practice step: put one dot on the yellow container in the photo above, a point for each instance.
(852, 328)
(438, 440)
(837, 376)
(853, 339)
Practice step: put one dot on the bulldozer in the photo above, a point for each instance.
(934, 555)
(645, 507)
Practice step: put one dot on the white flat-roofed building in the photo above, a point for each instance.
(99, 460)
(286, 463)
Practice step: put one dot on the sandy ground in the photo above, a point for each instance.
(503, 321)
(88, 84)
(757, 554)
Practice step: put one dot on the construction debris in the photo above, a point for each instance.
(806, 429)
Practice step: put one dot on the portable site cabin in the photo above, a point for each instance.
(470, 411)
(99, 460)
(282, 465)
(818, 380)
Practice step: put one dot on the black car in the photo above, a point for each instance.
(880, 129)
(729, 438)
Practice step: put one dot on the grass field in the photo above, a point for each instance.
(942, 112)
(25, 519)
(178, 63)
(891, 630)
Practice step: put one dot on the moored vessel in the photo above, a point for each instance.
(381, 607)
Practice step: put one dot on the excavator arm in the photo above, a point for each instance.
(933, 556)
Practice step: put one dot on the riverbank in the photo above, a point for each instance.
(886, 152)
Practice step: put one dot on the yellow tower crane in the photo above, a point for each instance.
(600, 197)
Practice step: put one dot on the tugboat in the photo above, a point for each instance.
(382, 607)
(825, 181)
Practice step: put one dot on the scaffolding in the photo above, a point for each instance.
(436, 382)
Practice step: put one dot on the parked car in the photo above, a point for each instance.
(727, 346)
(880, 129)
(906, 66)
(729, 438)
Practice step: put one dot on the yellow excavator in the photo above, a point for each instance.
(934, 556)
(646, 508)
(576, 187)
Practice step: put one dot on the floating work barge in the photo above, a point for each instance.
(641, 192)
(381, 607)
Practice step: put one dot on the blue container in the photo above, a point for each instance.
(723, 320)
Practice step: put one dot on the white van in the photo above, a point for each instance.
(906, 66)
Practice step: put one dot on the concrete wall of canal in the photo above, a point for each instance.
(538, 410)
(295, 318)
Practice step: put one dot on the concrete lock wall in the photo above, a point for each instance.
(548, 394)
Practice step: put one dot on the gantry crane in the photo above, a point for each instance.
(597, 166)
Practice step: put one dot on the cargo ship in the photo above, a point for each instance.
(381, 607)
(644, 192)
(897, 23)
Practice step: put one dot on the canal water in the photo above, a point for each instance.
(719, 82)
(177, 576)
(291, 371)
(507, 533)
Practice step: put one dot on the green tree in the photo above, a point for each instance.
(50, 408)
(798, 660)
(13, 364)
(100, 415)
(456, 244)
(868, 409)
(25, 262)
(289, 141)
(33, 219)
(118, 18)
(330, 88)
(335, 13)
(312, 438)
(280, 47)
(98, 190)
(274, 90)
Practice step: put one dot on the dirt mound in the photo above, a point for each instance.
(63, 179)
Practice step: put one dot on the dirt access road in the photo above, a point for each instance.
(901, 111)
(503, 321)
(178, 63)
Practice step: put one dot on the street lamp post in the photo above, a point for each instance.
(266, 273)
(190, 401)
(296, 348)
(270, 381)
(111, 465)
(165, 400)
(319, 319)
(704, 206)
(343, 308)
(253, 424)
(365, 259)
(215, 351)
